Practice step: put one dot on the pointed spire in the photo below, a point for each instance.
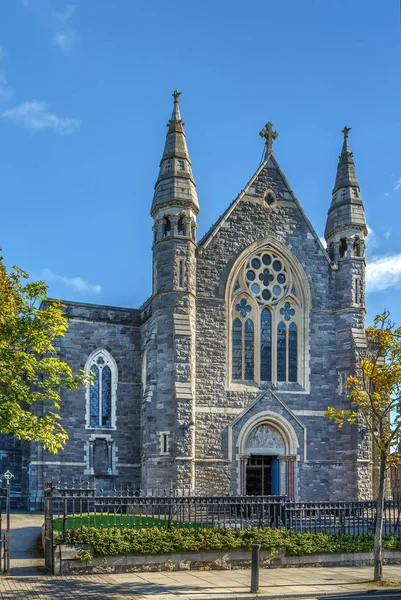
(346, 209)
(346, 175)
(175, 184)
(176, 123)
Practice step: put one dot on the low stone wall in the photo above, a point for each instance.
(65, 560)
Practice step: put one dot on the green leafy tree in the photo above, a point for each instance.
(30, 372)
(375, 394)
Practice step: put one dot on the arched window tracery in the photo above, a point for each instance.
(267, 316)
(101, 395)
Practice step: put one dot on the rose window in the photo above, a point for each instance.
(266, 277)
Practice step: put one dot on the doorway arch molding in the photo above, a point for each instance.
(276, 422)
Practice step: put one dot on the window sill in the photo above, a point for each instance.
(275, 387)
(99, 429)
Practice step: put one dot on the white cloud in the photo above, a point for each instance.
(67, 36)
(383, 272)
(78, 284)
(36, 117)
(397, 185)
(65, 41)
(2, 53)
(324, 243)
(387, 234)
(59, 24)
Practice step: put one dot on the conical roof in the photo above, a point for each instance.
(346, 209)
(346, 175)
(175, 185)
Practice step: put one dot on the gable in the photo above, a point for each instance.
(269, 177)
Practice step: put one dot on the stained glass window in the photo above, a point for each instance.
(266, 277)
(237, 349)
(281, 352)
(292, 353)
(106, 397)
(94, 397)
(266, 346)
(249, 350)
(102, 392)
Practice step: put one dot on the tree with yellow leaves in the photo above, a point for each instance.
(30, 371)
(375, 394)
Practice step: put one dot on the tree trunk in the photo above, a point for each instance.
(378, 558)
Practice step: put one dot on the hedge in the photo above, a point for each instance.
(112, 542)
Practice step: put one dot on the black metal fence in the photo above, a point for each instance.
(77, 506)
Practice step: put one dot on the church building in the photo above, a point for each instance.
(219, 382)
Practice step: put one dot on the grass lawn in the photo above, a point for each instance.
(109, 520)
(130, 521)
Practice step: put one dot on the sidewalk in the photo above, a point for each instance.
(197, 585)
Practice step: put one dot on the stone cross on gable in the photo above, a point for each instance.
(269, 135)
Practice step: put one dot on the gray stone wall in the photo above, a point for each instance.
(331, 467)
(172, 358)
(117, 331)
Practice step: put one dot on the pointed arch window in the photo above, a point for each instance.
(267, 316)
(237, 349)
(266, 345)
(249, 350)
(292, 353)
(281, 352)
(101, 395)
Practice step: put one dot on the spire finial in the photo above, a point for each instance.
(176, 123)
(269, 135)
(345, 131)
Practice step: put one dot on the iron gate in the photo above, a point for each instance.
(48, 506)
(5, 523)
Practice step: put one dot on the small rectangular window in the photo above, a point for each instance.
(357, 297)
(181, 273)
(164, 442)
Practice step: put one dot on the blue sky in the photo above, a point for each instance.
(85, 95)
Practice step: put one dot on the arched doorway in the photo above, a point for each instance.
(264, 445)
(268, 448)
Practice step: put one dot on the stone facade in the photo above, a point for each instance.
(181, 415)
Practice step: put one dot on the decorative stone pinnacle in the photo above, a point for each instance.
(345, 131)
(176, 95)
(269, 135)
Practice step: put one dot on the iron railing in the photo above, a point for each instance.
(83, 505)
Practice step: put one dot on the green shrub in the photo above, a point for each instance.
(111, 542)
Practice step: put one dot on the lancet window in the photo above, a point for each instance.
(267, 313)
(101, 394)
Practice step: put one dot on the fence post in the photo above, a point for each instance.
(255, 568)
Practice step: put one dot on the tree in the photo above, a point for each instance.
(30, 372)
(375, 394)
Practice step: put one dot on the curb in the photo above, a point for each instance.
(261, 596)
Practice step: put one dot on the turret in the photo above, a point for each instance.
(169, 411)
(175, 201)
(346, 225)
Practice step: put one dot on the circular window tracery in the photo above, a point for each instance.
(266, 277)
